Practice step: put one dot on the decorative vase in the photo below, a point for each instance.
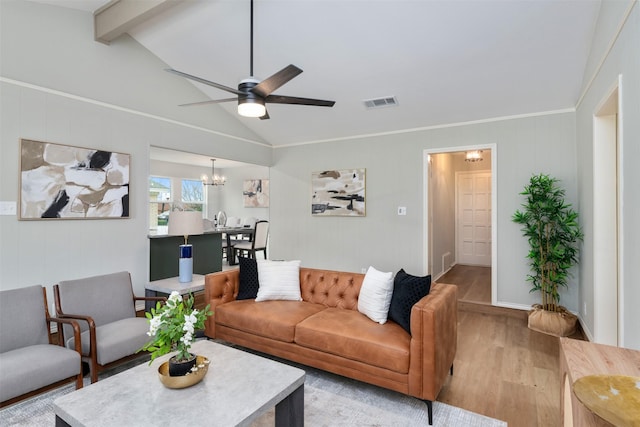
(559, 324)
(182, 367)
(194, 377)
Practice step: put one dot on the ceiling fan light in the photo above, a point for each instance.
(251, 108)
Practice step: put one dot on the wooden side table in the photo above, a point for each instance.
(164, 287)
(582, 358)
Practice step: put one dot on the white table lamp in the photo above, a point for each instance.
(185, 223)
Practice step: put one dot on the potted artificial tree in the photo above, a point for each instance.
(552, 230)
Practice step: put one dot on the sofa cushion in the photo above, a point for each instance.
(115, 299)
(349, 334)
(247, 278)
(375, 295)
(22, 318)
(271, 319)
(30, 368)
(407, 290)
(331, 288)
(279, 280)
(117, 339)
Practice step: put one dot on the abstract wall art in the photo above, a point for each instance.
(255, 193)
(338, 193)
(65, 182)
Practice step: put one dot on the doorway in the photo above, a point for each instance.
(459, 217)
(607, 286)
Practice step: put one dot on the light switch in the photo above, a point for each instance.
(402, 210)
(7, 208)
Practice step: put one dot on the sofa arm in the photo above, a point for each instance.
(219, 288)
(434, 339)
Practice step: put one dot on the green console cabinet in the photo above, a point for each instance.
(165, 252)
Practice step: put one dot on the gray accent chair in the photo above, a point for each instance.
(105, 308)
(30, 362)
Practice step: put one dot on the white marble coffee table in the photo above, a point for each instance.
(238, 388)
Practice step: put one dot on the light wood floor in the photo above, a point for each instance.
(502, 369)
(474, 283)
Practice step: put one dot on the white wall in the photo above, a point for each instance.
(231, 198)
(58, 85)
(443, 209)
(623, 59)
(394, 167)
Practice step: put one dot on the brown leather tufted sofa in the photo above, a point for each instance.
(326, 331)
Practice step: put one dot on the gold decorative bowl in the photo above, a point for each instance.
(202, 363)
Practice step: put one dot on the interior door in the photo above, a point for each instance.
(473, 223)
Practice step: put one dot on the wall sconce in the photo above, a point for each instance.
(213, 179)
(473, 156)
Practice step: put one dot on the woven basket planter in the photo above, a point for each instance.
(559, 324)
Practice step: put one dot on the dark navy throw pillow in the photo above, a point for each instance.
(407, 290)
(248, 278)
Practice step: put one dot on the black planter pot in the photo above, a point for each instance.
(179, 369)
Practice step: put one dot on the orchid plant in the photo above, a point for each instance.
(172, 326)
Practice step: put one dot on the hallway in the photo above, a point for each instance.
(474, 283)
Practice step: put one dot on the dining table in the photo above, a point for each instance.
(229, 233)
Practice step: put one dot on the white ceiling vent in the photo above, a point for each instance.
(387, 101)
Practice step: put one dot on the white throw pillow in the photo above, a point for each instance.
(278, 280)
(375, 295)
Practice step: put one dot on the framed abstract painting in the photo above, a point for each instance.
(255, 193)
(66, 182)
(338, 193)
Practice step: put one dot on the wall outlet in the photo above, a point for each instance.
(584, 308)
(402, 210)
(363, 270)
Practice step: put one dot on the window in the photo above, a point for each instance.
(167, 193)
(192, 195)
(159, 201)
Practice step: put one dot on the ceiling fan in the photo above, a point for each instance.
(253, 94)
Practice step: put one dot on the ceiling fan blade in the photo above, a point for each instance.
(203, 81)
(270, 84)
(281, 99)
(266, 115)
(215, 101)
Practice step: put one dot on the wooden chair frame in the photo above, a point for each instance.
(78, 348)
(93, 350)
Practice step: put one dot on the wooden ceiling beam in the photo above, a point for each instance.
(119, 16)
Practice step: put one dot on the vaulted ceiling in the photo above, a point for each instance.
(445, 61)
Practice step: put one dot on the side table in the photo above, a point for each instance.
(164, 287)
(582, 358)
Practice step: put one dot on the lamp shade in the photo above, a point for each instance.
(185, 223)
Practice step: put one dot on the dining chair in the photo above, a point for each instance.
(257, 243)
(232, 221)
(249, 222)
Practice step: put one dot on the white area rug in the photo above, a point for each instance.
(330, 400)
(334, 401)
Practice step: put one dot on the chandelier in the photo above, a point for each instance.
(213, 179)
(473, 156)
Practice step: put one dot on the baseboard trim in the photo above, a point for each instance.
(516, 313)
(478, 307)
